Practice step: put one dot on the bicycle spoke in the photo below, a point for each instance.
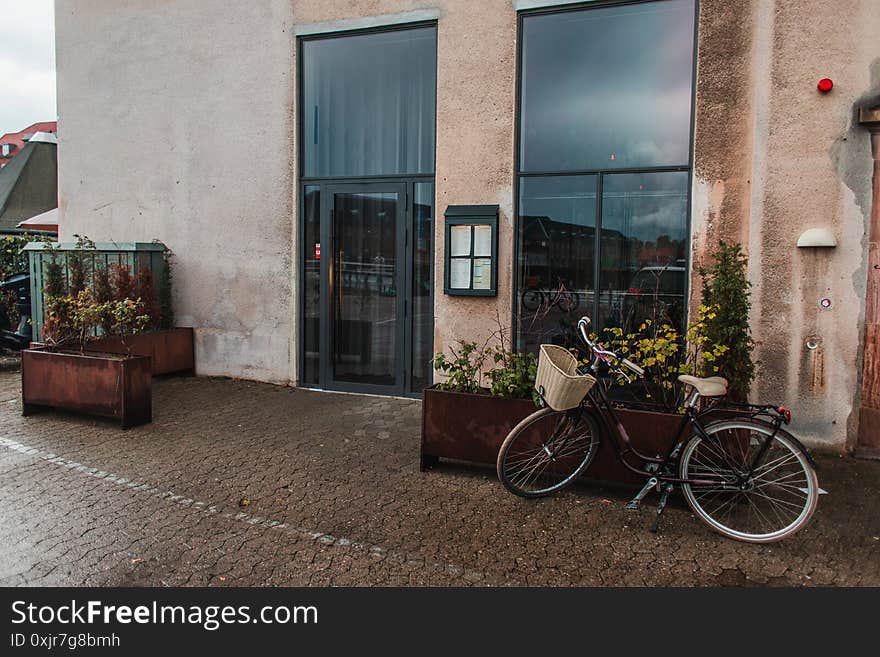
(546, 453)
(778, 464)
(774, 500)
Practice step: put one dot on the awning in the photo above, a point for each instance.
(45, 221)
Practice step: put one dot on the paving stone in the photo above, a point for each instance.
(237, 483)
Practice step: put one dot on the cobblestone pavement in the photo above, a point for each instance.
(334, 497)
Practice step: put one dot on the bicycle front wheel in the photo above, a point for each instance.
(547, 451)
(754, 486)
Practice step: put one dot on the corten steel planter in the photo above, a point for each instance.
(651, 432)
(171, 350)
(106, 385)
(469, 427)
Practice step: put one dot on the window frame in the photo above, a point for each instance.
(519, 174)
(472, 216)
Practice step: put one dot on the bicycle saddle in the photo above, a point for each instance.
(713, 386)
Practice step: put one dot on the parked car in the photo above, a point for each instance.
(19, 336)
(664, 285)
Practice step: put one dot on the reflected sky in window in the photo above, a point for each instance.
(607, 87)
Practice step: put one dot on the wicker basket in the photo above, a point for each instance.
(558, 381)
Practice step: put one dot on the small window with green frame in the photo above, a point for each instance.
(471, 250)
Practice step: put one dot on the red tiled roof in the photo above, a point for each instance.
(16, 138)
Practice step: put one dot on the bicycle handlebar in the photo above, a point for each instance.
(600, 353)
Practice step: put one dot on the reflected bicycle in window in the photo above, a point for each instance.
(536, 299)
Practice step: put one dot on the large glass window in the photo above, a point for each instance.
(644, 240)
(557, 216)
(607, 87)
(369, 103)
(603, 89)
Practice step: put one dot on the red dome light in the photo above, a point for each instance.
(825, 85)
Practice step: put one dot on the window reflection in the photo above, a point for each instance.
(365, 287)
(557, 219)
(607, 87)
(422, 302)
(311, 283)
(644, 240)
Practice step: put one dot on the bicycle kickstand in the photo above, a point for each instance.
(664, 495)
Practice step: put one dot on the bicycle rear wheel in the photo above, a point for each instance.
(532, 299)
(547, 451)
(777, 499)
(568, 301)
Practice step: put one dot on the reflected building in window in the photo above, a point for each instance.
(604, 167)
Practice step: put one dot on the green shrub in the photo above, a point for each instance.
(664, 353)
(166, 307)
(80, 264)
(726, 287)
(463, 368)
(12, 259)
(513, 374)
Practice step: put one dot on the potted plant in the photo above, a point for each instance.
(63, 374)
(170, 348)
(716, 343)
(464, 419)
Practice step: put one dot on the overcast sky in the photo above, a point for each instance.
(27, 63)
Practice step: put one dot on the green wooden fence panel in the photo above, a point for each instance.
(137, 256)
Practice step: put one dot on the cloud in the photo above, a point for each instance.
(27, 63)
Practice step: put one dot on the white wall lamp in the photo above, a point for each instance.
(816, 237)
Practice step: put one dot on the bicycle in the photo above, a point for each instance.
(743, 475)
(566, 300)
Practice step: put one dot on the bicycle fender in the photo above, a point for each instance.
(797, 443)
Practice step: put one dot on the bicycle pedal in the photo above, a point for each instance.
(635, 503)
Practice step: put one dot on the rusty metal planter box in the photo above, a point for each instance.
(470, 427)
(112, 386)
(467, 427)
(171, 350)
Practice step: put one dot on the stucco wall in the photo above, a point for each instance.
(176, 123)
(812, 169)
(774, 157)
(197, 100)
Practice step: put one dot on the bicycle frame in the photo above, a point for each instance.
(664, 466)
(604, 409)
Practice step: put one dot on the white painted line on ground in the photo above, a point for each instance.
(239, 516)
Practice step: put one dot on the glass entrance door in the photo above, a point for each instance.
(364, 275)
